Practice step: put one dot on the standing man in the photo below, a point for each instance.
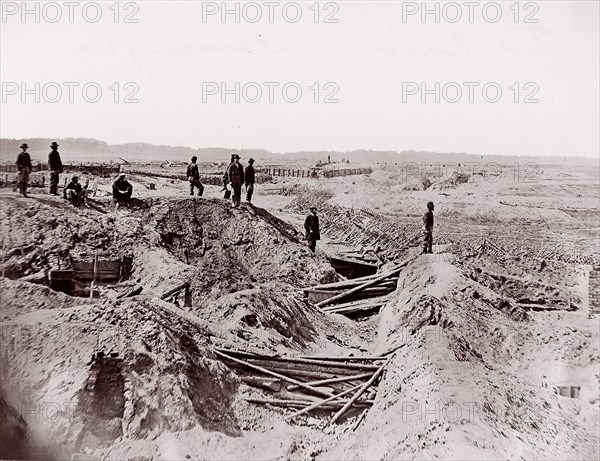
(311, 226)
(56, 168)
(236, 178)
(249, 179)
(24, 168)
(122, 190)
(194, 177)
(428, 229)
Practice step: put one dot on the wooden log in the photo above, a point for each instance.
(359, 302)
(332, 380)
(366, 357)
(299, 367)
(304, 360)
(323, 402)
(175, 290)
(362, 389)
(277, 375)
(302, 403)
(345, 294)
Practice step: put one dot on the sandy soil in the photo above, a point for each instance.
(484, 338)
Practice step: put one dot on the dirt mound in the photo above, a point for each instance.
(455, 386)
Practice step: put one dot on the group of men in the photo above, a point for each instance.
(74, 192)
(236, 176)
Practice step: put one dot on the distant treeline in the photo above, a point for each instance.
(92, 150)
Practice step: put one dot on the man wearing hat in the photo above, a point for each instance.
(122, 190)
(24, 168)
(193, 176)
(249, 180)
(56, 168)
(236, 178)
(74, 192)
(311, 226)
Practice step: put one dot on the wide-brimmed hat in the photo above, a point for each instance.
(54, 144)
(121, 175)
(75, 177)
(313, 208)
(250, 160)
(235, 156)
(24, 146)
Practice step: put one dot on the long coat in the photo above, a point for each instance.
(311, 226)
(54, 161)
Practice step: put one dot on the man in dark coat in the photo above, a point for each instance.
(193, 176)
(236, 178)
(311, 226)
(75, 193)
(249, 180)
(24, 168)
(122, 190)
(428, 229)
(56, 168)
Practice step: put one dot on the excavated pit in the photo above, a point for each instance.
(462, 339)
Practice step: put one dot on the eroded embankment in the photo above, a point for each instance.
(85, 373)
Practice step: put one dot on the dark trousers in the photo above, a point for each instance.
(54, 179)
(428, 241)
(249, 192)
(312, 244)
(22, 180)
(121, 197)
(236, 198)
(197, 184)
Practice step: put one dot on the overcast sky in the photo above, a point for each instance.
(367, 61)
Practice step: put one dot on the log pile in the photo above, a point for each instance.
(362, 295)
(554, 251)
(308, 384)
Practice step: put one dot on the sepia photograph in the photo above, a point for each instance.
(300, 230)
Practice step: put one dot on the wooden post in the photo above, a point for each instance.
(94, 276)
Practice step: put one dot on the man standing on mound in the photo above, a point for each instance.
(56, 168)
(428, 229)
(24, 168)
(311, 226)
(194, 177)
(236, 178)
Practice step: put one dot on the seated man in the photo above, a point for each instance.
(122, 190)
(74, 192)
